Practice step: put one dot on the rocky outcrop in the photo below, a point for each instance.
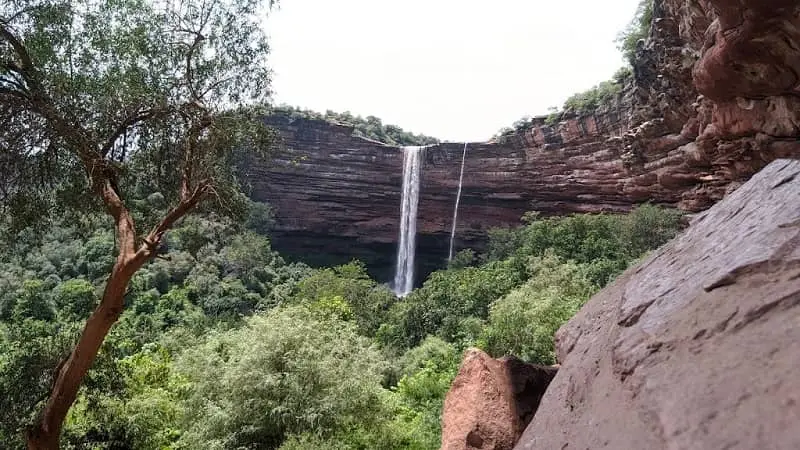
(491, 401)
(698, 346)
(714, 98)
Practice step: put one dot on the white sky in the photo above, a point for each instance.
(458, 70)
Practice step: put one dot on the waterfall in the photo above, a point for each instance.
(404, 273)
(458, 200)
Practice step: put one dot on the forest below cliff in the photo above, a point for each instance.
(118, 117)
(224, 345)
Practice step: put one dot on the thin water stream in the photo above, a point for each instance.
(458, 200)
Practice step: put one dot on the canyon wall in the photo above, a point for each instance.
(712, 101)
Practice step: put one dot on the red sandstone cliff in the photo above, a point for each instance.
(713, 100)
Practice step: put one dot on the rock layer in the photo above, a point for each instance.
(696, 347)
(491, 401)
(714, 98)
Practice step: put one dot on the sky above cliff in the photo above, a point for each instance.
(458, 70)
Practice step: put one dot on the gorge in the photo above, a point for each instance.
(670, 137)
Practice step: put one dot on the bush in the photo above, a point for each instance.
(285, 372)
(589, 101)
(348, 292)
(649, 227)
(637, 29)
(605, 243)
(446, 299)
(523, 322)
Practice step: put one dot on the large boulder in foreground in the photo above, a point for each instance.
(491, 401)
(698, 347)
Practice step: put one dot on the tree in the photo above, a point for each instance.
(637, 29)
(286, 371)
(98, 94)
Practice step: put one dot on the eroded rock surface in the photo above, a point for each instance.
(698, 347)
(491, 402)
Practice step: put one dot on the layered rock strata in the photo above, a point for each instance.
(713, 99)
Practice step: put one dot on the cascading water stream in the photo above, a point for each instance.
(404, 273)
(458, 200)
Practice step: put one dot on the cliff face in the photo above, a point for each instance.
(338, 196)
(698, 346)
(713, 100)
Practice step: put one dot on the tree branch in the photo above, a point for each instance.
(17, 14)
(128, 123)
(13, 93)
(185, 206)
(16, 44)
(189, 72)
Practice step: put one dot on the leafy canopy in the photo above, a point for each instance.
(98, 92)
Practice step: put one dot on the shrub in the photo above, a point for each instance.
(589, 101)
(287, 371)
(523, 322)
(637, 29)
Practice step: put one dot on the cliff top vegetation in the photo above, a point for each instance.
(370, 127)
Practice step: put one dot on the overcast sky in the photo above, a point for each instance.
(458, 70)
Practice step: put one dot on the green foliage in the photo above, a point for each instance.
(638, 29)
(649, 227)
(148, 413)
(523, 322)
(411, 410)
(260, 218)
(286, 372)
(75, 299)
(463, 258)
(604, 243)
(589, 101)
(31, 345)
(174, 300)
(446, 300)
(370, 127)
(224, 345)
(347, 292)
(553, 118)
(114, 88)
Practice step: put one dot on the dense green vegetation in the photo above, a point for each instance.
(598, 96)
(370, 127)
(122, 116)
(102, 101)
(225, 345)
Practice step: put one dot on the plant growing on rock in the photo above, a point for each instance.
(97, 93)
(637, 29)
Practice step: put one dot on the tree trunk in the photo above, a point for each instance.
(46, 434)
